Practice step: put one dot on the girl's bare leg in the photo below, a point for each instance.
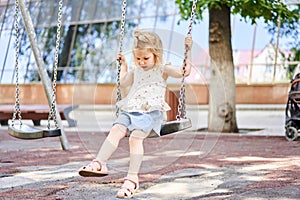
(98, 166)
(131, 182)
(111, 143)
(136, 145)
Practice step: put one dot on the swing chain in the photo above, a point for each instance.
(121, 38)
(192, 17)
(122, 25)
(17, 109)
(52, 112)
(181, 112)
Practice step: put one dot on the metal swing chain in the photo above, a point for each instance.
(52, 112)
(17, 109)
(121, 37)
(181, 113)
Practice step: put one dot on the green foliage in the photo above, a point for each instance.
(185, 7)
(271, 11)
(289, 29)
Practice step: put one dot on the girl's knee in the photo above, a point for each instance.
(118, 130)
(138, 135)
(135, 141)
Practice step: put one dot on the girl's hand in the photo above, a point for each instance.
(121, 58)
(188, 42)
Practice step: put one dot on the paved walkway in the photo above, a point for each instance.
(259, 163)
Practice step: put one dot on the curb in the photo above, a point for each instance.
(239, 107)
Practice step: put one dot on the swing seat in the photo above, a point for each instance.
(25, 132)
(175, 126)
(28, 132)
(52, 132)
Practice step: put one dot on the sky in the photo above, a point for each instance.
(242, 34)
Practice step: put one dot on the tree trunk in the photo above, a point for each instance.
(222, 111)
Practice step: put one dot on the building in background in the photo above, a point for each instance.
(89, 41)
(262, 65)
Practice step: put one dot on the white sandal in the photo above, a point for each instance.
(95, 168)
(126, 191)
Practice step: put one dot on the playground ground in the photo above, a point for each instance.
(258, 163)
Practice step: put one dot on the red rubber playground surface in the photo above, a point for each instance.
(264, 167)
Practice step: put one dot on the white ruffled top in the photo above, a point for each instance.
(147, 92)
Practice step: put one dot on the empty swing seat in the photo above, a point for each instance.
(28, 132)
(25, 132)
(52, 132)
(175, 126)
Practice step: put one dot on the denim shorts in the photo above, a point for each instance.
(147, 122)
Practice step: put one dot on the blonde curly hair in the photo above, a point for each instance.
(148, 40)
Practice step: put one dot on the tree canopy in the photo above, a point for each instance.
(270, 11)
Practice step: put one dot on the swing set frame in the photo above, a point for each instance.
(23, 131)
(20, 130)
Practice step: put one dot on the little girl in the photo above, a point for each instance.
(142, 110)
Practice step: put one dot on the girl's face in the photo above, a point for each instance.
(144, 59)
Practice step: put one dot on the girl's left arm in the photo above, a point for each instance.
(176, 72)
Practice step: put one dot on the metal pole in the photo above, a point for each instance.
(252, 56)
(41, 69)
(276, 51)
